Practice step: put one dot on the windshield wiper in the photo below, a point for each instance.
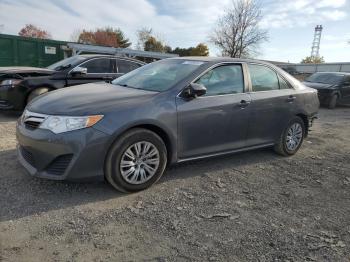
(125, 85)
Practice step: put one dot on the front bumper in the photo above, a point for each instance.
(75, 155)
(325, 95)
(6, 105)
(12, 98)
(311, 120)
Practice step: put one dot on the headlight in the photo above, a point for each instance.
(10, 82)
(61, 124)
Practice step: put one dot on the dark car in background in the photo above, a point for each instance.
(333, 87)
(166, 112)
(20, 85)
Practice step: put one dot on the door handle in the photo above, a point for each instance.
(244, 103)
(291, 99)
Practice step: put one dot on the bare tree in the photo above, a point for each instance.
(74, 37)
(1, 28)
(143, 35)
(237, 33)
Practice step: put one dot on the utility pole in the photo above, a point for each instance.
(315, 49)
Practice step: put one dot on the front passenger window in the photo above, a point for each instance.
(222, 80)
(263, 78)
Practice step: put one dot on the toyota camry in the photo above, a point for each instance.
(166, 112)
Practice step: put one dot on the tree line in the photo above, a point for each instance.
(115, 37)
(237, 33)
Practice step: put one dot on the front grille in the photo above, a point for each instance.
(28, 156)
(33, 120)
(59, 165)
(32, 124)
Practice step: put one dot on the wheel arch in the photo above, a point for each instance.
(31, 90)
(169, 142)
(305, 119)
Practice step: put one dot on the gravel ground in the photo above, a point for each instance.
(249, 206)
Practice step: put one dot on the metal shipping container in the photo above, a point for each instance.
(25, 51)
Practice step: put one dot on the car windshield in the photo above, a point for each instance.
(65, 63)
(325, 78)
(159, 76)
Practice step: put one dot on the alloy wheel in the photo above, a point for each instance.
(294, 136)
(139, 162)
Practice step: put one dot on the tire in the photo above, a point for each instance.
(37, 92)
(333, 102)
(123, 178)
(287, 149)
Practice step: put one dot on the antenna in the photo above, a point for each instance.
(315, 49)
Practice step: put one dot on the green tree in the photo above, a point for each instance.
(154, 45)
(199, 50)
(182, 51)
(312, 60)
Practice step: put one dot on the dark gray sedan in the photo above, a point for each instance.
(166, 112)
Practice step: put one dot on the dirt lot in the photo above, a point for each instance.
(249, 206)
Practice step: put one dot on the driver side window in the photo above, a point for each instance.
(98, 66)
(227, 79)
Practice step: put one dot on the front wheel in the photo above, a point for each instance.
(37, 92)
(136, 161)
(291, 138)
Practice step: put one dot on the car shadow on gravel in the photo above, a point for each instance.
(235, 162)
(23, 195)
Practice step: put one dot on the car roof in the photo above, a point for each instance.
(220, 59)
(110, 56)
(334, 73)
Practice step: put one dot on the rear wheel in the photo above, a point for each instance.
(37, 92)
(291, 138)
(333, 101)
(136, 161)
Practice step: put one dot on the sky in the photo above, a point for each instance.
(186, 23)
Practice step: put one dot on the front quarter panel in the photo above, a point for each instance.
(158, 111)
(311, 101)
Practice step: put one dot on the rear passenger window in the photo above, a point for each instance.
(263, 78)
(223, 80)
(98, 66)
(126, 66)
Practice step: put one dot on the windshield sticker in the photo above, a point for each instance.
(193, 63)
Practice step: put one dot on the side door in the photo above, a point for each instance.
(345, 90)
(217, 121)
(98, 69)
(125, 66)
(274, 101)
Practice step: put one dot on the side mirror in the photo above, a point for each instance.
(194, 90)
(79, 71)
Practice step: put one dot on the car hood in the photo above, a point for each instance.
(24, 69)
(318, 85)
(93, 98)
